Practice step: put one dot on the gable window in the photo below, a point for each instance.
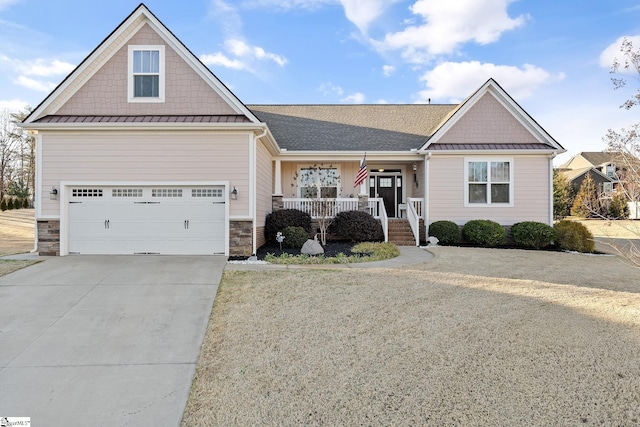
(488, 182)
(313, 178)
(146, 74)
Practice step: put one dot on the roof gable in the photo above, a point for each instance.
(490, 119)
(98, 85)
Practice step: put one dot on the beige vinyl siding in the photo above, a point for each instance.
(264, 189)
(530, 191)
(412, 190)
(105, 93)
(129, 156)
(347, 171)
(487, 122)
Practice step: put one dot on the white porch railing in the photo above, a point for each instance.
(316, 208)
(378, 211)
(414, 213)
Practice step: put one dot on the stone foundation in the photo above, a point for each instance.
(49, 237)
(241, 238)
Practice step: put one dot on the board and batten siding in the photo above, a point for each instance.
(264, 189)
(149, 157)
(530, 192)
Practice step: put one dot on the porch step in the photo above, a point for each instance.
(400, 233)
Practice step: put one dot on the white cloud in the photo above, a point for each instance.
(354, 98)
(329, 88)
(363, 12)
(241, 49)
(219, 59)
(448, 24)
(39, 67)
(35, 84)
(387, 70)
(612, 52)
(13, 105)
(454, 81)
(6, 3)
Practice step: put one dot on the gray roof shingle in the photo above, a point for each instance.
(382, 127)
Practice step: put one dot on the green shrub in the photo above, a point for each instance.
(294, 237)
(3, 205)
(25, 203)
(573, 236)
(532, 234)
(618, 207)
(447, 232)
(279, 220)
(10, 203)
(484, 232)
(357, 226)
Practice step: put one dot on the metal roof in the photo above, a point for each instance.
(146, 119)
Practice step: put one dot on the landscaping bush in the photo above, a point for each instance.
(25, 203)
(10, 203)
(357, 226)
(3, 205)
(532, 234)
(447, 232)
(573, 236)
(279, 220)
(294, 237)
(484, 232)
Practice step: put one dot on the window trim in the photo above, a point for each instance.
(161, 74)
(488, 160)
(303, 166)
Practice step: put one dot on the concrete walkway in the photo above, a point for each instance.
(104, 340)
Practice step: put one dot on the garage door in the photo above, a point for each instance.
(147, 220)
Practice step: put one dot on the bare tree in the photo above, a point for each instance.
(25, 157)
(8, 146)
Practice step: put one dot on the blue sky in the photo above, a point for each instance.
(553, 57)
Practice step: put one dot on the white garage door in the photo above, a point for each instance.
(147, 220)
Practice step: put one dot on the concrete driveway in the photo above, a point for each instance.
(104, 340)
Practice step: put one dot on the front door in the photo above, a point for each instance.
(389, 188)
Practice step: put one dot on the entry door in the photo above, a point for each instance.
(389, 188)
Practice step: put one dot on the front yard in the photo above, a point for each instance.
(474, 337)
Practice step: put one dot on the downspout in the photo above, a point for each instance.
(255, 188)
(425, 214)
(551, 157)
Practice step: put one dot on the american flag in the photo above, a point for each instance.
(362, 173)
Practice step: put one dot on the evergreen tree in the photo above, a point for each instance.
(586, 203)
(618, 208)
(563, 195)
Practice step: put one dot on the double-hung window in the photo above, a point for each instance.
(489, 182)
(146, 74)
(313, 179)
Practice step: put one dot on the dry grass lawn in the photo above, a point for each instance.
(474, 337)
(17, 231)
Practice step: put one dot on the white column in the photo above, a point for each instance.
(278, 179)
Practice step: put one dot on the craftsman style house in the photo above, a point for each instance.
(141, 149)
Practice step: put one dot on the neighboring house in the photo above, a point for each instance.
(141, 149)
(604, 183)
(601, 161)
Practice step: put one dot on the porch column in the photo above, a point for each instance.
(278, 179)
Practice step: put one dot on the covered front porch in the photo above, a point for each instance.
(392, 191)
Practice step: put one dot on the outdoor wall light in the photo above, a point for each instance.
(53, 194)
(234, 193)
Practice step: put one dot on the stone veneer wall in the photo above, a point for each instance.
(241, 238)
(49, 237)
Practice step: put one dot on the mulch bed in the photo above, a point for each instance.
(332, 248)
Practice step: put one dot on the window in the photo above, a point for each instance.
(611, 171)
(166, 192)
(146, 73)
(607, 187)
(326, 179)
(488, 182)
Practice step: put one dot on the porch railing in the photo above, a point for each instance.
(323, 207)
(378, 211)
(414, 213)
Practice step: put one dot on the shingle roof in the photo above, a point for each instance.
(572, 174)
(146, 119)
(383, 127)
(597, 158)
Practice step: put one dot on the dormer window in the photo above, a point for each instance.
(146, 73)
